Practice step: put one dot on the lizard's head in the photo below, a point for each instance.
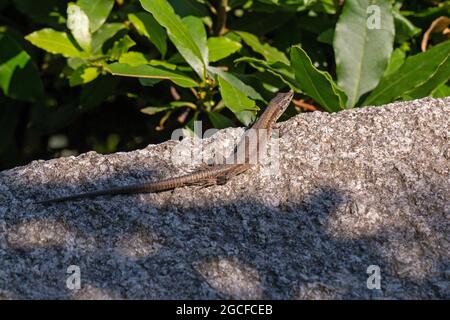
(282, 101)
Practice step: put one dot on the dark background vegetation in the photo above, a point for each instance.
(106, 115)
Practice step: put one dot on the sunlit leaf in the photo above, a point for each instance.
(271, 54)
(147, 71)
(107, 31)
(363, 43)
(178, 33)
(422, 72)
(148, 27)
(83, 74)
(221, 47)
(316, 83)
(97, 11)
(78, 24)
(19, 77)
(54, 42)
(120, 47)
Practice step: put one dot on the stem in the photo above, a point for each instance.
(221, 24)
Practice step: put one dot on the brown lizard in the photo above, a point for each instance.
(216, 174)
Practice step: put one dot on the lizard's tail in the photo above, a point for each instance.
(95, 193)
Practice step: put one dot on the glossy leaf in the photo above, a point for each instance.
(107, 31)
(172, 105)
(316, 83)
(133, 58)
(146, 71)
(404, 29)
(120, 47)
(83, 74)
(271, 54)
(197, 30)
(414, 74)
(148, 27)
(163, 63)
(235, 95)
(19, 77)
(397, 59)
(442, 91)
(363, 43)
(438, 78)
(221, 47)
(237, 83)
(97, 11)
(177, 32)
(54, 42)
(78, 24)
(280, 70)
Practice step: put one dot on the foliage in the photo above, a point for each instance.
(115, 74)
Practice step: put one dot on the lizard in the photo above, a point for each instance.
(215, 174)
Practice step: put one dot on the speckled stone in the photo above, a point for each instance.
(352, 189)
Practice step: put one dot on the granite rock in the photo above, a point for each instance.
(344, 192)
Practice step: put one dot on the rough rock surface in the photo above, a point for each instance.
(353, 189)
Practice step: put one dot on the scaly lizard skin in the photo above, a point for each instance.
(217, 174)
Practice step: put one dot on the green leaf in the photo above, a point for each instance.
(78, 24)
(442, 91)
(178, 33)
(438, 78)
(163, 63)
(221, 47)
(280, 70)
(429, 66)
(107, 31)
(198, 33)
(362, 44)
(271, 54)
(397, 59)
(235, 82)
(54, 42)
(133, 58)
(19, 77)
(150, 72)
(219, 121)
(172, 105)
(235, 96)
(315, 83)
(149, 82)
(148, 27)
(97, 11)
(326, 36)
(404, 29)
(120, 47)
(75, 63)
(83, 74)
